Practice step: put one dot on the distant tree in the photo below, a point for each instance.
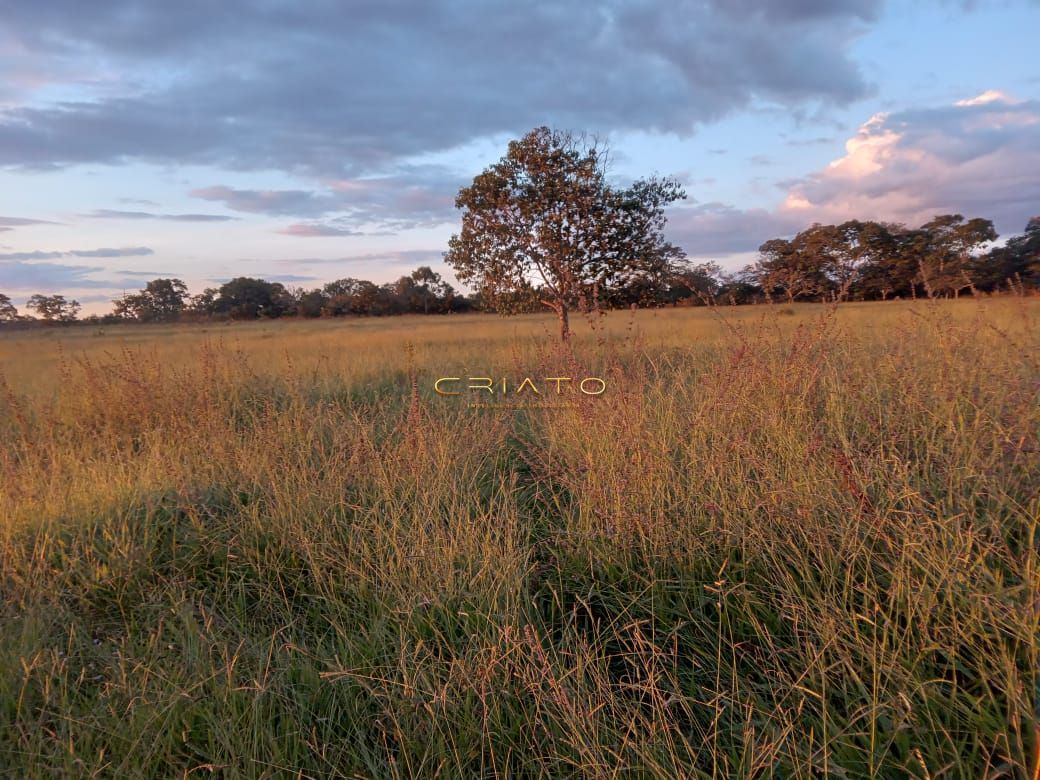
(248, 298)
(795, 268)
(204, 302)
(545, 214)
(53, 308)
(161, 300)
(1017, 261)
(692, 285)
(432, 289)
(349, 296)
(741, 287)
(404, 295)
(8, 312)
(885, 268)
(944, 248)
(311, 303)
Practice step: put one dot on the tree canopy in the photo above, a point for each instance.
(545, 215)
(53, 308)
(8, 312)
(160, 300)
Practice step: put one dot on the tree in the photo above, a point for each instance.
(161, 300)
(53, 308)
(246, 298)
(945, 247)
(1018, 259)
(310, 303)
(695, 284)
(204, 302)
(8, 313)
(795, 267)
(545, 213)
(431, 286)
(349, 296)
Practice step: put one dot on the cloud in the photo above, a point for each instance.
(132, 251)
(270, 202)
(316, 229)
(416, 196)
(989, 96)
(978, 157)
(114, 214)
(128, 251)
(302, 89)
(36, 255)
(34, 277)
(10, 223)
(393, 257)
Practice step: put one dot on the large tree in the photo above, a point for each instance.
(945, 248)
(54, 308)
(247, 298)
(160, 300)
(8, 313)
(544, 217)
(795, 268)
(1018, 261)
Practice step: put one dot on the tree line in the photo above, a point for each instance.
(544, 228)
(856, 260)
(423, 291)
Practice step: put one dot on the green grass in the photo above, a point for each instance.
(786, 542)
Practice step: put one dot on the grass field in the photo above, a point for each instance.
(785, 541)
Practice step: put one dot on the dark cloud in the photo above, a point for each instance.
(10, 223)
(415, 197)
(128, 251)
(316, 229)
(132, 251)
(37, 255)
(114, 214)
(327, 89)
(36, 277)
(270, 202)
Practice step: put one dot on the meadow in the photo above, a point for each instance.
(786, 541)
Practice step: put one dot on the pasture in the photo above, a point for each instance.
(790, 541)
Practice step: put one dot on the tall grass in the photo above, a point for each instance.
(790, 546)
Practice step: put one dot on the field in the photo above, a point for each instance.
(790, 541)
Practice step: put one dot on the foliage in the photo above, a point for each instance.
(162, 300)
(544, 215)
(53, 308)
(245, 298)
(866, 260)
(8, 312)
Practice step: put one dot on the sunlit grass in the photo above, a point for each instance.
(787, 541)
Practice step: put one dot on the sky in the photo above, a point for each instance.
(306, 142)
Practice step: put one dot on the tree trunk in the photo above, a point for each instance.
(565, 326)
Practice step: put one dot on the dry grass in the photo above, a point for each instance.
(787, 541)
